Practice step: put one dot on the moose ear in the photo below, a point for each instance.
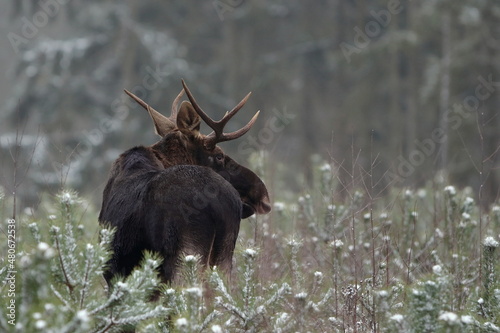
(188, 120)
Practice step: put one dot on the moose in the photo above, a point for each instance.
(181, 195)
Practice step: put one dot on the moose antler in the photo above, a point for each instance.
(218, 134)
(163, 124)
(177, 99)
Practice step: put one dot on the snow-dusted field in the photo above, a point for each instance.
(333, 259)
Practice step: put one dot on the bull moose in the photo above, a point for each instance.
(180, 195)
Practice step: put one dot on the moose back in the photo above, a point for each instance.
(180, 195)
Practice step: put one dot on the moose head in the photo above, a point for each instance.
(183, 194)
(182, 143)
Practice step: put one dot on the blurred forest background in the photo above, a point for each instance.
(404, 91)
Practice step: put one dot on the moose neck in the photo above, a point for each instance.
(173, 150)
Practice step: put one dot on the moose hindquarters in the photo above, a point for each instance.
(192, 210)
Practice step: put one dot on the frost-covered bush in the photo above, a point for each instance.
(58, 281)
(337, 257)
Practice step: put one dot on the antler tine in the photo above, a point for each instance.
(240, 132)
(218, 126)
(237, 108)
(145, 105)
(152, 111)
(209, 121)
(163, 125)
(175, 104)
(138, 100)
